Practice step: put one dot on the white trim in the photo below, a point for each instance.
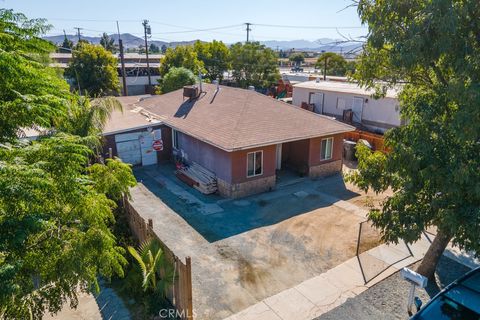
(331, 148)
(132, 128)
(254, 161)
(174, 139)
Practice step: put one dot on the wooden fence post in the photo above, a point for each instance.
(188, 276)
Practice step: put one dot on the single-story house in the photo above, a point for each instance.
(243, 137)
(334, 98)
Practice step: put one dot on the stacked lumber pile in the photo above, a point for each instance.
(198, 177)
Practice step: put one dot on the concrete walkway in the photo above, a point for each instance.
(320, 294)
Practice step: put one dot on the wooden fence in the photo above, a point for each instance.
(180, 293)
(375, 140)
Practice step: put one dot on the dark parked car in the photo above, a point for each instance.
(460, 300)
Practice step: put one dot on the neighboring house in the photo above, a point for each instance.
(334, 98)
(242, 136)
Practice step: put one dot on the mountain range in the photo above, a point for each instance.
(131, 41)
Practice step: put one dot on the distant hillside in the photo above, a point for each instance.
(129, 40)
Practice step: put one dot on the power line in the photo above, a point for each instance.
(308, 27)
(202, 30)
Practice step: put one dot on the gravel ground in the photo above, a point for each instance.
(388, 299)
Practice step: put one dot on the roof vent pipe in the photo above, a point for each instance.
(200, 83)
(251, 88)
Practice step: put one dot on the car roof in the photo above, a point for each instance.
(465, 291)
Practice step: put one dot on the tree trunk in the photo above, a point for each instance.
(434, 252)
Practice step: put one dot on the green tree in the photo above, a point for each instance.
(55, 209)
(66, 46)
(336, 64)
(153, 48)
(433, 49)
(107, 42)
(254, 64)
(93, 70)
(175, 79)
(55, 217)
(181, 56)
(157, 272)
(215, 56)
(31, 93)
(163, 49)
(298, 58)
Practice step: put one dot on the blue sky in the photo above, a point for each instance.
(170, 19)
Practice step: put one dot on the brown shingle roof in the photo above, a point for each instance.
(235, 119)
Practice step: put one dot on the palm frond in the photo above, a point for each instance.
(139, 259)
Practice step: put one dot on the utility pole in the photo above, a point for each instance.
(248, 30)
(122, 61)
(78, 33)
(325, 66)
(147, 30)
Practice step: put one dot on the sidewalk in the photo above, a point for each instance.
(321, 294)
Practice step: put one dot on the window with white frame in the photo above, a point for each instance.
(254, 164)
(326, 149)
(175, 139)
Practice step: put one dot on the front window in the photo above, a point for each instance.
(327, 147)
(254, 163)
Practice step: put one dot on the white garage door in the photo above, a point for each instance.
(129, 152)
(149, 156)
(136, 148)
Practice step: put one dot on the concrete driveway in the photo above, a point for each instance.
(246, 250)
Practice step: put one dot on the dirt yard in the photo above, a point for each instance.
(246, 250)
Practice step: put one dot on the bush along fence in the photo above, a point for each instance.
(180, 293)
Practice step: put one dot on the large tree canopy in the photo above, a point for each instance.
(93, 70)
(254, 64)
(55, 206)
(215, 56)
(31, 93)
(432, 48)
(181, 56)
(55, 217)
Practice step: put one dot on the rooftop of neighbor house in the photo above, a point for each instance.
(63, 65)
(232, 118)
(344, 87)
(127, 55)
(132, 116)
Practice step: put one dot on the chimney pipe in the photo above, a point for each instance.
(200, 82)
(217, 82)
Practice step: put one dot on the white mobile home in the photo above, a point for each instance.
(333, 98)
